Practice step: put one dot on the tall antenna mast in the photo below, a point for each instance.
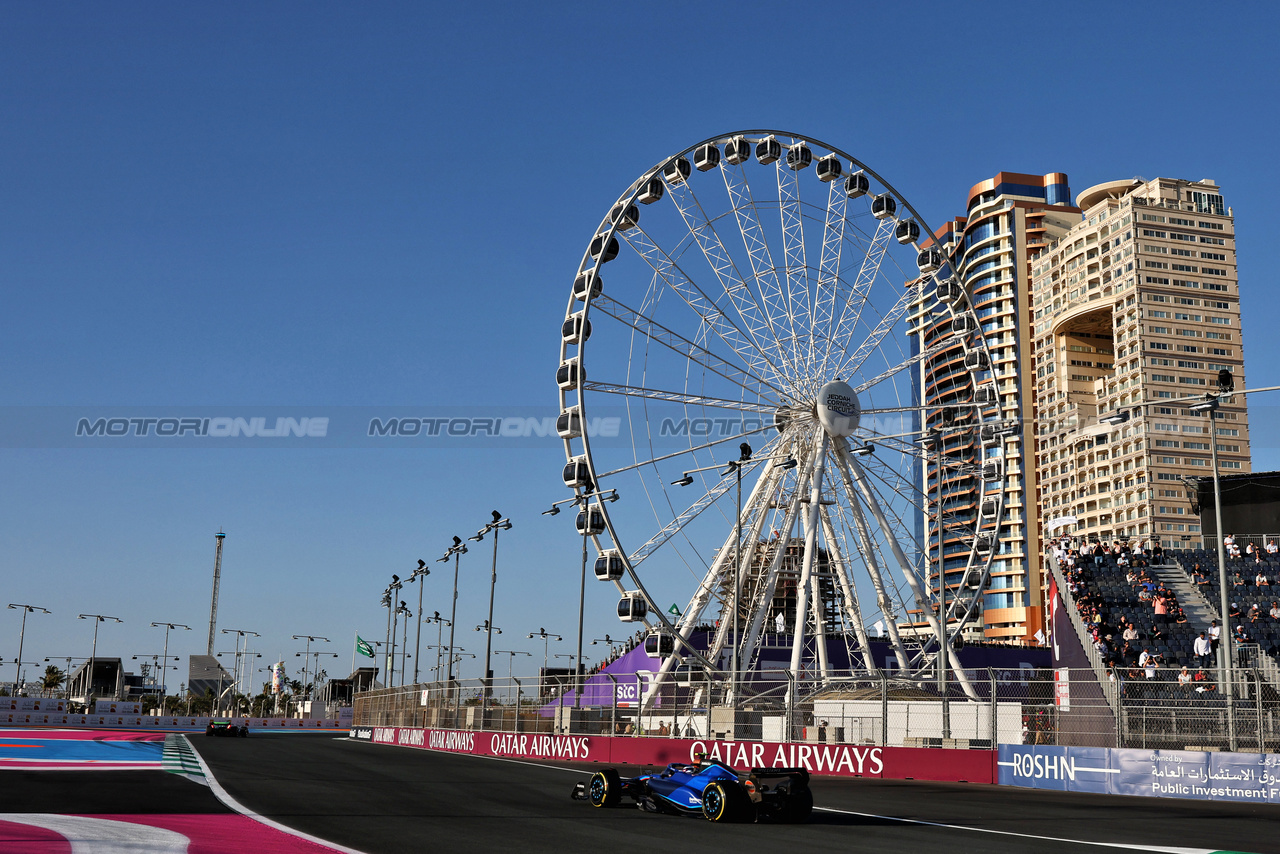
(217, 575)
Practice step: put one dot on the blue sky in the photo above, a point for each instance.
(332, 205)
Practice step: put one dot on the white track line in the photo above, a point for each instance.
(1125, 845)
(231, 802)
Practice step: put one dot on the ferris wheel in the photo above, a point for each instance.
(753, 353)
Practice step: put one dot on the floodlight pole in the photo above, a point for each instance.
(22, 634)
(455, 551)
(419, 575)
(164, 692)
(93, 653)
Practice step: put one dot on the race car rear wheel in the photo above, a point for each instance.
(723, 800)
(605, 788)
(798, 806)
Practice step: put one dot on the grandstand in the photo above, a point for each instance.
(1153, 708)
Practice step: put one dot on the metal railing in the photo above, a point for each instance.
(1030, 706)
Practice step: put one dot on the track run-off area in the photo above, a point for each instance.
(287, 792)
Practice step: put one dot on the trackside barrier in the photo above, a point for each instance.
(841, 760)
(153, 722)
(1191, 774)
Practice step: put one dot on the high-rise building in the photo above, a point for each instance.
(1009, 219)
(1138, 303)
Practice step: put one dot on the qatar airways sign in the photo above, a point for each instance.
(845, 760)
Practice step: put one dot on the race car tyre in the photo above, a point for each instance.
(725, 801)
(244, 732)
(798, 806)
(605, 789)
(208, 731)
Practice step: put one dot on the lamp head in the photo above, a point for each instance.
(497, 517)
(684, 481)
(457, 541)
(553, 511)
(421, 563)
(745, 450)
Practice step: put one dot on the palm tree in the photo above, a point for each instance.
(52, 680)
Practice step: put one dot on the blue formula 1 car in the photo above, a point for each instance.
(708, 788)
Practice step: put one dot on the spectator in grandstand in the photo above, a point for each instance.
(1139, 559)
(1122, 560)
(1184, 677)
(1237, 580)
(1261, 579)
(1201, 681)
(1235, 610)
(1178, 614)
(1275, 610)
(1215, 635)
(1130, 632)
(1272, 548)
(1229, 540)
(1153, 664)
(1248, 549)
(1254, 612)
(1203, 651)
(1161, 605)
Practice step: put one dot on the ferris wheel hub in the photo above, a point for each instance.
(838, 408)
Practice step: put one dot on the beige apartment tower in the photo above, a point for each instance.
(1135, 309)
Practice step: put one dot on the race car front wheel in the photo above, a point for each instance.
(725, 801)
(605, 789)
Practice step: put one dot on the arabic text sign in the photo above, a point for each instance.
(1190, 774)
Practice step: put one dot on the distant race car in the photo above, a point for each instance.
(709, 788)
(229, 729)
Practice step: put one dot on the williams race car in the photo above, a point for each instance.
(227, 729)
(708, 788)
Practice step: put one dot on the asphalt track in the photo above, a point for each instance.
(378, 799)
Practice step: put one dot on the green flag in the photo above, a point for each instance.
(673, 610)
(363, 647)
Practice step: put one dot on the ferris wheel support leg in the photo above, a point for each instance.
(706, 589)
(853, 612)
(873, 570)
(819, 622)
(722, 573)
(752, 638)
(810, 547)
(907, 572)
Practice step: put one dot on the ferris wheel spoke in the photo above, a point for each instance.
(824, 298)
(683, 451)
(772, 297)
(798, 311)
(726, 269)
(678, 397)
(851, 309)
(849, 365)
(708, 312)
(904, 364)
(694, 510)
(655, 331)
